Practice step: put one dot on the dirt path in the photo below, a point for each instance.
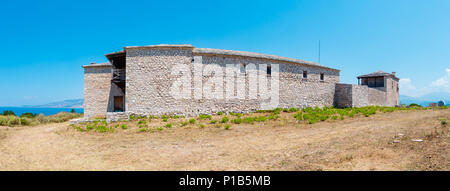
(353, 144)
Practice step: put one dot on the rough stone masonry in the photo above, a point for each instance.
(142, 80)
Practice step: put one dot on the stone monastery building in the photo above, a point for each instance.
(140, 80)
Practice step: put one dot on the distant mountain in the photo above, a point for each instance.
(426, 99)
(70, 103)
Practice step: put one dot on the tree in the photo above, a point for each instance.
(8, 112)
(29, 115)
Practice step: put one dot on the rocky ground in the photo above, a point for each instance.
(380, 142)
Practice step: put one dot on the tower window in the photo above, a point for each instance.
(269, 70)
(305, 74)
(322, 76)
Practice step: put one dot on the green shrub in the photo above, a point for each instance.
(312, 121)
(202, 126)
(13, 120)
(224, 119)
(29, 115)
(101, 128)
(414, 105)
(236, 114)
(323, 117)
(334, 117)
(444, 122)
(143, 130)
(203, 116)
(124, 126)
(260, 118)
(192, 121)
(25, 121)
(285, 110)
(78, 128)
(90, 126)
(236, 121)
(213, 121)
(219, 113)
(8, 112)
(227, 126)
(184, 123)
(249, 120)
(293, 109)
(160, 128)
(3, 120)
(169, 125)
(132, 117)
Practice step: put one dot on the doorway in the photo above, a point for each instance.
(118, 104)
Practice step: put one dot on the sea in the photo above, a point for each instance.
(46, 111)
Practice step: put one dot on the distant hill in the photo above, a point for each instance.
(426, 99)
(70, 103)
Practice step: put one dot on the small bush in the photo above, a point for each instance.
(227, 126)
(13, 120)
(224, 119)
(293, 109)
(260, 118)
(219, 113)
(249, 120)
(192, 121)
(159, 128)
(213, 121)
(124, 126)
(132, 117)
(102, 129)
(29, 115)
(444, 122)
(143, 130)
(237, 121)
(169, 125)
(184, 123)
(8, 112)
(3, 120)
(236, 114)
(203, 116)
(202, 126)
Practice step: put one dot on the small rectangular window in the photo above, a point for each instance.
(322, 76)
(305, 74)
(269, 70)
(243, 68)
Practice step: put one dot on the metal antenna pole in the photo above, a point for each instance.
(319, 51)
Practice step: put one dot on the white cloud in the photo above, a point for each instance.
(407, 88)
(405, 83)
(442, 82)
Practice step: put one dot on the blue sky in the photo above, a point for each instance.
(44, 43)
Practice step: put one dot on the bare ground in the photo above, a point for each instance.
(362, 143)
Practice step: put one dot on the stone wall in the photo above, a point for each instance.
(150, 76)
(97, 85)
(343, 95)
(352, 95)
(360, 96)
(149, 82)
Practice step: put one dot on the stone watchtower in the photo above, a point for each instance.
(377, 88)
(385, 82)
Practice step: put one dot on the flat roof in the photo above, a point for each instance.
(378, 74)
(92, 65)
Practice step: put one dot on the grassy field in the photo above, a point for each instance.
(372, 138)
